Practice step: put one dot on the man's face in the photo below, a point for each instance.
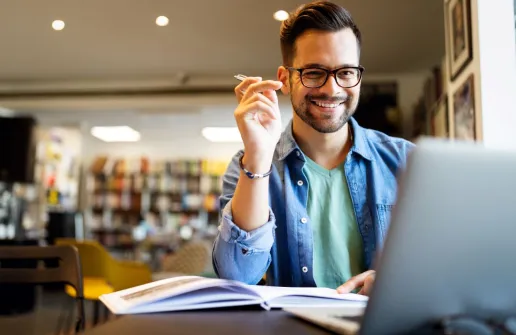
(327, 108)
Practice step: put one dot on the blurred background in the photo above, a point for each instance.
(117, 116)
(164, 71)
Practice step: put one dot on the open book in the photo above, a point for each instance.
(192, 292)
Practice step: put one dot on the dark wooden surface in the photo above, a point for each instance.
(224, 322)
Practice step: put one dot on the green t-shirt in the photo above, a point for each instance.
(337, 243)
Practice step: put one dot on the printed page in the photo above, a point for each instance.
(127, 300)
(311, 302)
(269, 293)
(222, 296)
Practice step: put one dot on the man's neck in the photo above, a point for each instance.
(328, 150)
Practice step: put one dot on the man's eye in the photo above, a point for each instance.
(313, 73)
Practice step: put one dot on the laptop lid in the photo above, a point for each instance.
(451, 245)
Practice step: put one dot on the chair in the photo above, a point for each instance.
(25, 301)
(68, 270)
(102, 274)
(191, 259)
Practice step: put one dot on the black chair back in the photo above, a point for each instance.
(68, 270)
(18, 299)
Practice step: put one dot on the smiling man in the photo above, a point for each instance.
(309, 206)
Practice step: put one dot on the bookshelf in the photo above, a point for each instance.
(56, 179)
(132, 201)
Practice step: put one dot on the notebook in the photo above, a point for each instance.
(194, 292)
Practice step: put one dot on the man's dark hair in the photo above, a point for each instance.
(318, 15)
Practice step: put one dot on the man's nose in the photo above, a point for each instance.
(331, 88)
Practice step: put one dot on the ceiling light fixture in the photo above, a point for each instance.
(222, 134)
(281, 15)
(58, 25)
(162, 21)
(116, 134)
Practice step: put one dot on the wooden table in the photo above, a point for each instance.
(224, 322)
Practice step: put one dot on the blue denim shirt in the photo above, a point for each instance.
(283, 247)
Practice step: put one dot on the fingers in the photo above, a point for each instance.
(258, 103)
(257, 98)
(266, 92)
(272, 96)
(261, 87)
(252, 85)
(242, 87)
(354, 282)
(368, 285)
(259, 106)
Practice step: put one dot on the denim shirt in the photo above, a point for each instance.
(283, 247)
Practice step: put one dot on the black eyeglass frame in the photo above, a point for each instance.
(329, 73)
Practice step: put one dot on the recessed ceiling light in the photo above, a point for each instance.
(162, 21)
(58, 25)
(116, 134)
(222, 134)
(281, 15)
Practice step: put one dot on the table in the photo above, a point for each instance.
(224, 322)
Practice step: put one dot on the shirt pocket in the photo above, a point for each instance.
(383, 213)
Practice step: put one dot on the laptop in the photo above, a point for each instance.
(451, 244)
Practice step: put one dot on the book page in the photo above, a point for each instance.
(311, 302)
(130, 299)
(157, 290)
(269, 293)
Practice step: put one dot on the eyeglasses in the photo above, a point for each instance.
(465, 324)
(345, 77)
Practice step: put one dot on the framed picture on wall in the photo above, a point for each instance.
(440, 119)
(464, 110)
(460, 50)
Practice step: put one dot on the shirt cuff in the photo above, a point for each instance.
(259, 239)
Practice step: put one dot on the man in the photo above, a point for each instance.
(309, 206)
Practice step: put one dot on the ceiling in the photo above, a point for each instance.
(118, 39)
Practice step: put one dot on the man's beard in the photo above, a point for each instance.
(318, 123)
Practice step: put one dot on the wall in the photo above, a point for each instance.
(494, 68)
(410, 87)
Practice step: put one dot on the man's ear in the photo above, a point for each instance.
(283, 76)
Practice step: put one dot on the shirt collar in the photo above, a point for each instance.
(360, 140)
(287, 144)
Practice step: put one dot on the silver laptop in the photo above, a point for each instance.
(450, 248)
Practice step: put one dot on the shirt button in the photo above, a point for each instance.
(300, 182)
(298, 153)
(304, 220)
(305, 269)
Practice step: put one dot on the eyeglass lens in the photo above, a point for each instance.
(345, 77)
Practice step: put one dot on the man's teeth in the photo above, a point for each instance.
(326, 105)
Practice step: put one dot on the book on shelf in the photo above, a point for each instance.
(194, 292)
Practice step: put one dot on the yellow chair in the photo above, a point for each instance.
(102, 273)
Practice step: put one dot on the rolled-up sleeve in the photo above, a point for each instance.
(238, 254)
(258, 240)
